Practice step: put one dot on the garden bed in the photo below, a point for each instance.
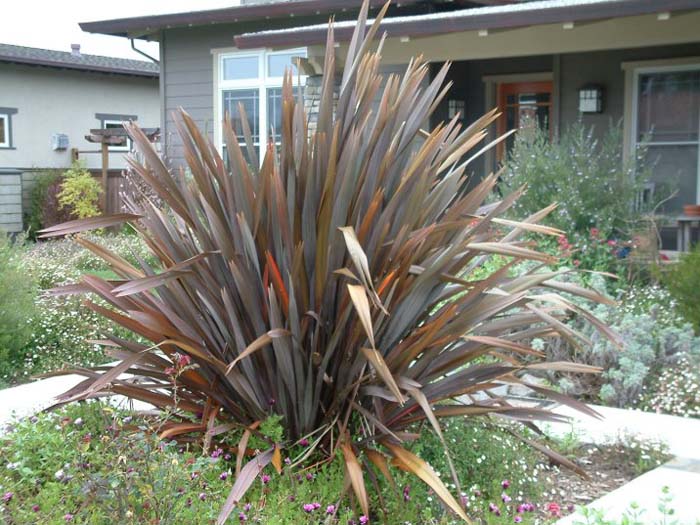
(93, 463)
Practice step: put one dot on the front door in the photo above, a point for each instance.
(522, 105)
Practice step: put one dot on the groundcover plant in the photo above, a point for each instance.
(329, 284)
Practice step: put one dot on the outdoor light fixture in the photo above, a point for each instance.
(590, 99)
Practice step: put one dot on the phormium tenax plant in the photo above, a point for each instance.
(330, 282)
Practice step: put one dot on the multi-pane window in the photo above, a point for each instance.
(4, 131)
(254, 81)
(667, 127)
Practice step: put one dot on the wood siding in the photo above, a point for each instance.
(10, 201)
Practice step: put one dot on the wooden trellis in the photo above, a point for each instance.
(113, 137)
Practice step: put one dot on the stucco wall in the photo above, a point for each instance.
(52, 101)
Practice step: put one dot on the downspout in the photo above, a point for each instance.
(143, 53)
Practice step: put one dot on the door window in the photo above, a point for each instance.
(522, 105)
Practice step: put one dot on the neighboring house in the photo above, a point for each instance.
(49, 101)
(600, 61)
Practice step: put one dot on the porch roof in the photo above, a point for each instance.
(497, 17)
(147, 26)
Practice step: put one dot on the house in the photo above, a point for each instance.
(557, 61)
(49, 101)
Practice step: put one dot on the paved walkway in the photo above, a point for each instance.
(30, 398)
(682, 435)
(681, 476)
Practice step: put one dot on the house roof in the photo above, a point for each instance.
(65, 60)
(142, 26)
(480, 18)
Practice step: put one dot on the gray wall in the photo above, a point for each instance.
(187, 74)
(605, 68)
(573, 71)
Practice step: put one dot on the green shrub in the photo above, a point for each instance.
(80, 192)
(17, 293)
(38, 197)
(676, 390)
(593, 185)
(683, 281)
(597, 191)
(655, 334)
(58, 330)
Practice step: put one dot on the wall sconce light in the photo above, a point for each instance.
(454, 107)
(590, 99)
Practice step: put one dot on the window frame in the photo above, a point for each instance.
(263, 83)
(6, 115)
(128, 146)
(637, 70)
(5, 143)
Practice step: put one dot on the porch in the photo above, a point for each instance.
(654, 92)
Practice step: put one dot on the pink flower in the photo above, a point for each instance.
(68, 517)
(308, 507)
(330, 509)
(223, 476)
(612, 242)
(493, 507)
(217, 453)
(183, 360)
(304, 442)
(202, 496)
(316, 505)
(364, 520)
(7, 497)
(505, 483)
(242, 517)
(595, 232)
(505, 497)
(36, 508)
(577, 262)
(517, 519)
(407, 493)
(170, 371)
(553, 508)
(265, 478)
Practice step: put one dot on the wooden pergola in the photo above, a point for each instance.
(114, 137)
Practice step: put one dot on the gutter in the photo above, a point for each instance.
(143, 53)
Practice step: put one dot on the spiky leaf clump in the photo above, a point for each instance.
(330, 283)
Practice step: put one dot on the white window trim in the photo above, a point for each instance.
(634, 71)
(6, 126)
(262, 84)
(127, 146)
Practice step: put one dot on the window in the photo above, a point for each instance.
(6, 127)
(4, 131)
(666, 125)
(114, 121)
(254, 80)
(117, 124)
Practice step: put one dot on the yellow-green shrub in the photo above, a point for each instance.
(80, 192)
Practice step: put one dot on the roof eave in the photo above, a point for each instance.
(145, 26)
(424, 27)
(79, 67)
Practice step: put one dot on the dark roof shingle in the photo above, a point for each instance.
(66, 60)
